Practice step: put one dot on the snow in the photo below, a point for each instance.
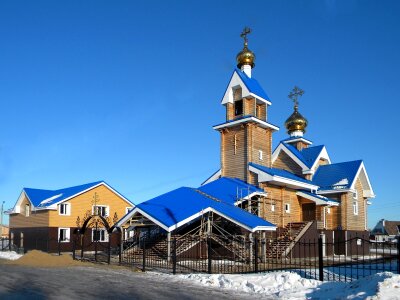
(289, 285)
(10, 255)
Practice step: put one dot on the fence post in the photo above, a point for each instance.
(95, 249)
(398, 255)
(256, 255)
(144, 256)
(121, 246)
(320, 259)
(209, 255)
(21, 241)
(59, 246)
(73, 248)
(109, 250)
(174, 257)
(10, 240)
(82, 244)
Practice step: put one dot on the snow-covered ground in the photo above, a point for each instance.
(287, 285)
(10, 255)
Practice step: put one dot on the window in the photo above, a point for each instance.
(64, 209)
(238, 107)
(101, 210)
(328, 210)
(355, 208)
(272, 207)
(287, 208)
(355, 195)
(63, 235)
(27, 210)
(260, 154)
(99, 235)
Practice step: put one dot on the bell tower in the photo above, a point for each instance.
(246, 136)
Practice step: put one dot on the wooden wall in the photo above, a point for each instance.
(82, 204)
(35, 219)
(283, 161)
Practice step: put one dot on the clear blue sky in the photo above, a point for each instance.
(128, 91)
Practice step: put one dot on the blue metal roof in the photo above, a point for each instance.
(326, 199)
(178, 205)
(306, 155)
(281, 173)
(334, 176)
(229, 190)
(252, 85)
(37, 196)
(295, 138)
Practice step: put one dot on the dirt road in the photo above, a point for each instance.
(22, 282)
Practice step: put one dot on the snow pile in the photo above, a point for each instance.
(280, 284)
(10, 255)
(389, 288)
(286, 285)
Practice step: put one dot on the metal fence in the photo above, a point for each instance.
(314, 259)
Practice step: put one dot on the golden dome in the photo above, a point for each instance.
(245, 57)
(296, 122)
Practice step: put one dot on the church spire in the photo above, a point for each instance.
(245, 58)
(296, 124)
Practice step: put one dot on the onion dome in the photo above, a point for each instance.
(296, 122)
(245, 57)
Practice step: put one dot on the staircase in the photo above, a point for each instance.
(287, 239)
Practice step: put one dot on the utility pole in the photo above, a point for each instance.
(1, 219)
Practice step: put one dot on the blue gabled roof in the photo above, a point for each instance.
(334, 176)
(252, 85)
(178, 205)
(281, 173)
(310, 154)
(307, 155)
(229, 190)
(37, 196)
(326, 199)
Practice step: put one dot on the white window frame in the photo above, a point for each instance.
(260, 154)
(27, 210)
(106, 207)
(287, 208)
(328, 210)
(355, 194)
(105, 235)
(67, 209)
(355, 208)
(67, 234)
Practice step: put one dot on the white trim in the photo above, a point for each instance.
(324, 155)
(192, 217)
(355, 207)
(213, 177)
(283, 147)
(67, 234)
(367, 193)
(67, 209)
(334, 191)
(263, 194)
(247, 119)
(316, 199)
(261, 99)
(234, 82)
(264, 177)
(287, 208)
(300, 139)
(106, 235)
(107, 211)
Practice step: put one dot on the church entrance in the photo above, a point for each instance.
(309, 210)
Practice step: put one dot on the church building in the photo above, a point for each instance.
(288, 193)
(300, 181)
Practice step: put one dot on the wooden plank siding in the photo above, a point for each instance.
(352, 221)
(283, 161)
(83, 203)
(35, 218)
